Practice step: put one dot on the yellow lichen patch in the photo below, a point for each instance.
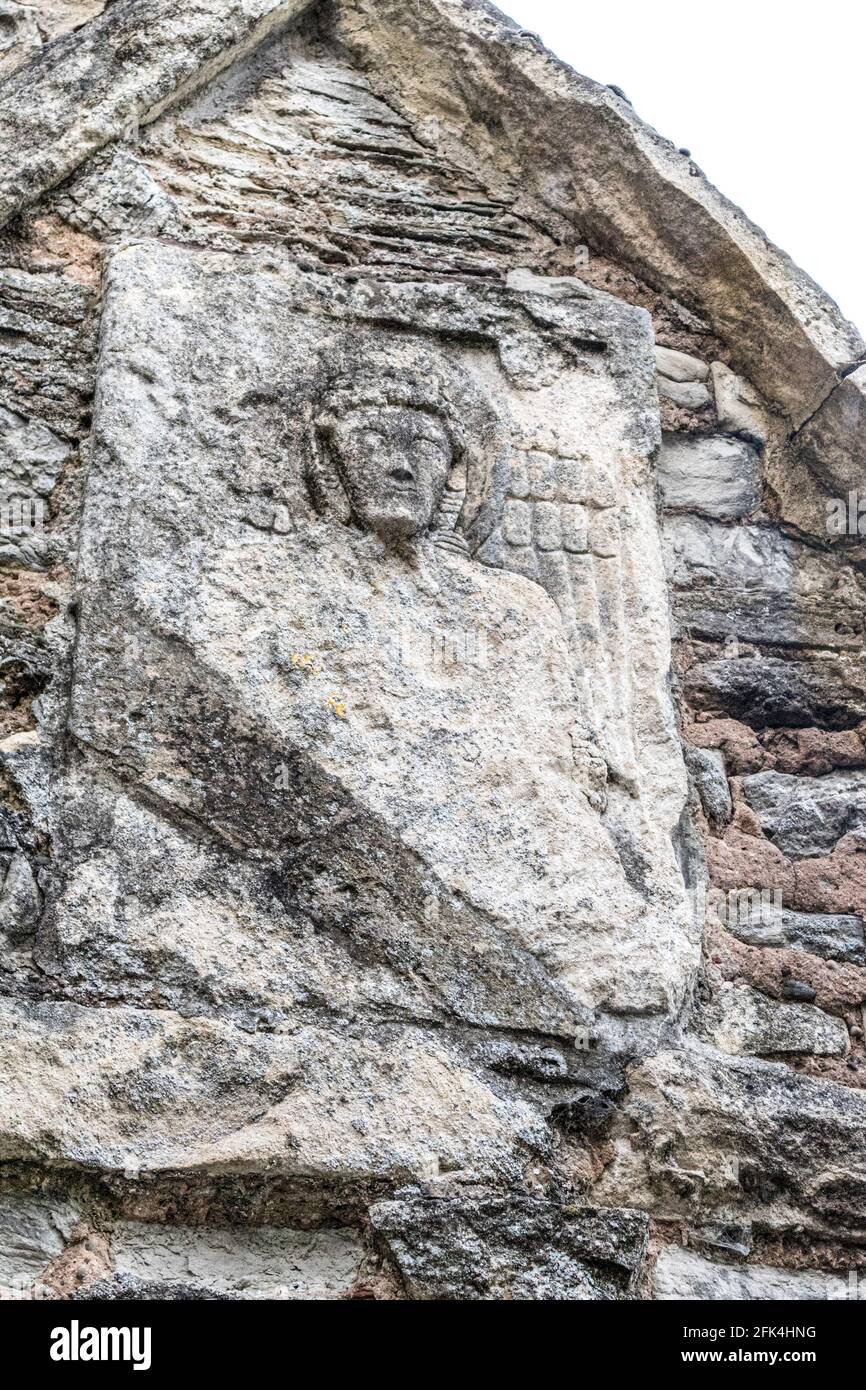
(303, 661)
(336, 705)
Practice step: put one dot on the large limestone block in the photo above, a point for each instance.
(133, 1091)
(414, 743)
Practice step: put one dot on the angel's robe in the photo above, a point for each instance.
(440, 694)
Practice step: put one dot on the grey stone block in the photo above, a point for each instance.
(741, 1020)
(494, 1247)
(806, 816)
(712, 475)
(832, 936)
(707, 767)
(681, 1274)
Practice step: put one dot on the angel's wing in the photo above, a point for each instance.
(561, 528)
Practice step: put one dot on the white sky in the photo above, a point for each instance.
(768, 95)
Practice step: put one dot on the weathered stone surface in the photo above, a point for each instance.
(682, 1274)
(263, 1262)
(20, 899)
(730, 1236)
(345, 685)
(714, 476)
(812, 751)
(728, 1133)
(830, 444)
(800, 990)
(834, 883)
(761, 298)
(742, 558)
(31, 459)
(126, 1287)
(769, 692)
(683, 227)
(347, 841)
(785, 974)
(738, 744)
(692, 395)
(211, 931)
(739, 859)
(472, 1248)
(753, 583)
(19, 37)
(807, 816)
(835, 937)
(33, 1231)
(341, 180)
(738, 406)
(707, 766)
(46, 365)
(122, 69)
(131, 1091)
(25, 27)
(741, 1020)
(679, 366)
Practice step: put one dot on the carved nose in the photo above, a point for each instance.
(402, 475)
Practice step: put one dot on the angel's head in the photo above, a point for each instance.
(403, 441)
(393, 443)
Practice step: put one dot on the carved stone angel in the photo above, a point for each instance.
(487, 766)
(418, 457)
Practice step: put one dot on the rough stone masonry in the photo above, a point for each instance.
(433, 704)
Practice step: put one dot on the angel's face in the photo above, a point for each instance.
(394, 463)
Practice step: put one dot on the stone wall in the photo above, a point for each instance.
(249, 1059)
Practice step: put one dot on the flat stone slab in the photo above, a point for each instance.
(133, 1091)
(742, 1020)
(753, 583)
(831, 936)
(723, 1134)
(264, 667)
(682, 1274)
(259, 1262)
(771, 692)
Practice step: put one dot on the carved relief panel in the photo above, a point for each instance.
(374, 652)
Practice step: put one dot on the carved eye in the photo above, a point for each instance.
(427, 448)
(370, 439)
